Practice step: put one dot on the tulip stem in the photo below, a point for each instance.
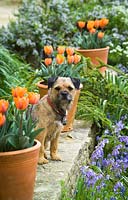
(21, 122)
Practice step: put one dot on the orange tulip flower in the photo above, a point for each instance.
(100, 35)
(70, 51)
(90, 25)
(103, 22)
(3, 106)
(60, 59)
(81, 24)
(93, 30)
(48, 50)
(70, 59)
(21, 103)
(48, 61)
(19, 91)
(96, 23)
(33, 97)
(2, 119)
(77, 58)
(61, 49)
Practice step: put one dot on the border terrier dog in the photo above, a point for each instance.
(51, 113)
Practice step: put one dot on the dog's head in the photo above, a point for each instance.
(62, 90)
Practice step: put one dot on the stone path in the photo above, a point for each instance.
(6, 13)
(74, 149)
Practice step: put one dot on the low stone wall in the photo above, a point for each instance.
(74, 148)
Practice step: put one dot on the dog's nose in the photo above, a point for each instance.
(64, 93)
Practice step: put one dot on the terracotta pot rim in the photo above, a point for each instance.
(41, 85)
(22, 151)
(88, 50)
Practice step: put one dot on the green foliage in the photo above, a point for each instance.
(24, 35)
(63, 70)
(13, 72)
(103, 97)
(19, 132)
(58, 24)
(35, 26)
(85, 40)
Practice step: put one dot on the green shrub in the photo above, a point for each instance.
(103, 99)
(35, 26)
(24, 35)
(13, 72)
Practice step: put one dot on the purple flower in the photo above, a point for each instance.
(97, 138)
(106, 132)
(124, 139)
(119, 126)
(102, 185)
(119, 187)
(113, 198)
(116, 151)
(99, 153)
(108, 162)
(90, 176)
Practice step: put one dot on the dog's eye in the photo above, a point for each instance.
(70, 88)
(57, 88)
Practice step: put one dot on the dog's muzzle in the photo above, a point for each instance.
(64, 95)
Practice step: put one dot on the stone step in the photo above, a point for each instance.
(74, 148)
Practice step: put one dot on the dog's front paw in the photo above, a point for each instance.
(42, 160)
(56, 157)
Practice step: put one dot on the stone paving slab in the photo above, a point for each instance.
(74, 148)
(7, 13)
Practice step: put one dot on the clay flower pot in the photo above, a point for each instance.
(93, 54)
(43, 90)
(18, 172)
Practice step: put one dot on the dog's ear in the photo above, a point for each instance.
(76, 82)
(51, 81)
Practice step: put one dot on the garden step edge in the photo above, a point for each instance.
(75, 148)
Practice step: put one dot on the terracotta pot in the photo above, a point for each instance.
(18, 172)
(93, 54)
(43, 89)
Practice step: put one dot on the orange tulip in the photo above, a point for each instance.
(21, 103)
(96, 23)
(2, 119)
(3, 106)
(69, 51)
(70, 59)
(61, 49)
(60, 59)
(48, 50)
(19, 92)
(90, 25)
(48, 61)
(93, 30)
(77, 58)
(33, 97)
(100, 35)
(81, 24)
(103, 22)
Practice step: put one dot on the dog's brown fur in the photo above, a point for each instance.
(61, 93)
